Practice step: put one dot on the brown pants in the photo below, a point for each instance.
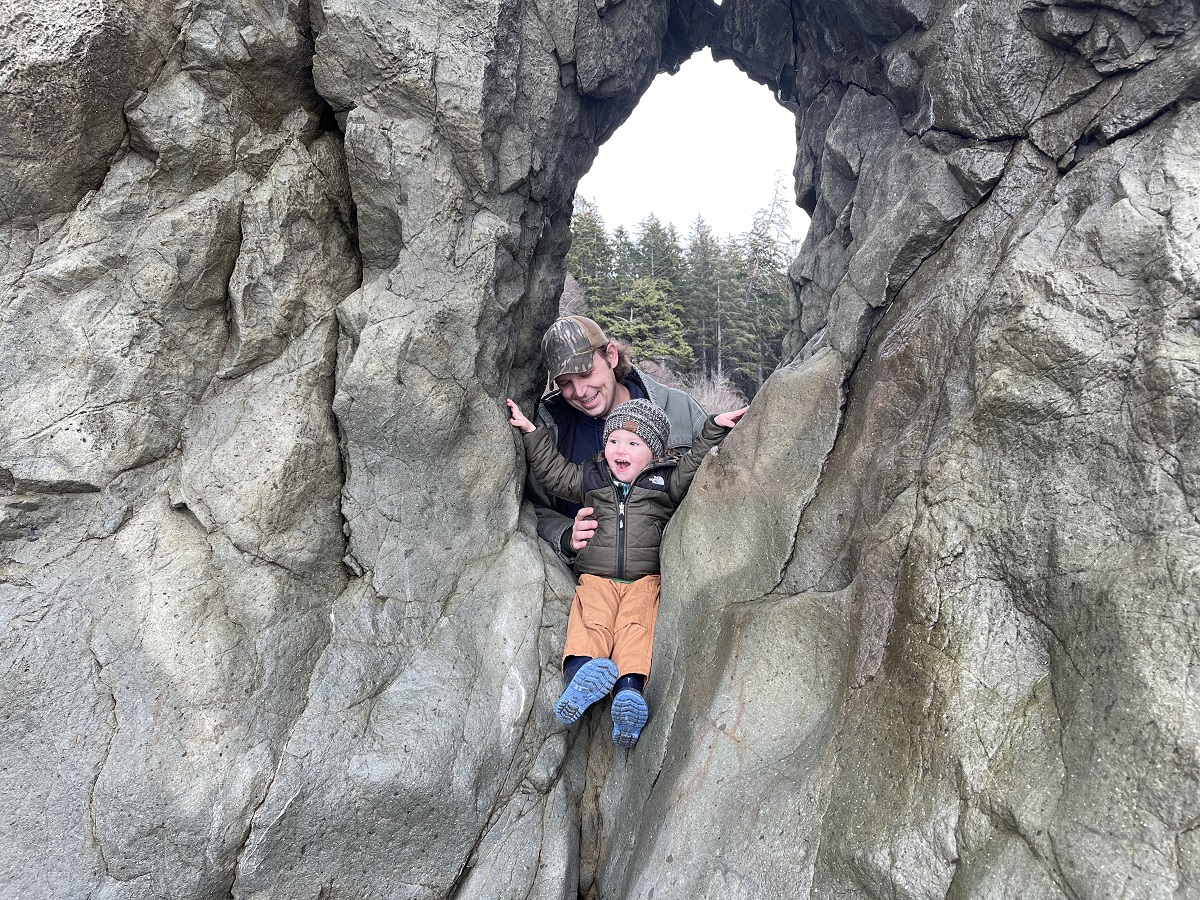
(613, 620)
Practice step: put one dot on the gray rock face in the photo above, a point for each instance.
(276, 623)
(67, 68)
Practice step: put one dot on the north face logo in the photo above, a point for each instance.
(657, 480)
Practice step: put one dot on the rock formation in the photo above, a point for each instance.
(276, 623)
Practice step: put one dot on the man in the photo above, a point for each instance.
(593, 375)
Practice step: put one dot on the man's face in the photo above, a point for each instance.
(627, 455)
(593, 393)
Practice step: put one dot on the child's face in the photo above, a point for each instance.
(627, 455)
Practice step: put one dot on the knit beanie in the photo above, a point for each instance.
(643, 418)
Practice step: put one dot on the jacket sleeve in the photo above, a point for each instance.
(681, 478)
(553, 527)
(686, 416)
(560, 477)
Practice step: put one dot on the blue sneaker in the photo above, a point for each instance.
(593, 681)
(629, 714)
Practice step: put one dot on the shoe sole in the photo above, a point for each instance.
(592, 682)
(630, 714)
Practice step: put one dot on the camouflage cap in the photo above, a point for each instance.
(569, 345)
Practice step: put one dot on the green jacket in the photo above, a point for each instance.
(685, 415)
(630, 518)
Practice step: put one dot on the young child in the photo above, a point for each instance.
(633, 489)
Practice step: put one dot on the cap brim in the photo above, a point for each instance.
(575, 364)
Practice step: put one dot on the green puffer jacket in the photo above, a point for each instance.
(629, 525)
(684, 413)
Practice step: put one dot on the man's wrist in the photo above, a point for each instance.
(564, 543)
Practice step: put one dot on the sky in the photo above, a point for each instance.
(706, 141)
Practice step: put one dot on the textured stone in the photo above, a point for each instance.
(113, 329)
(275, 620)
(66, 69)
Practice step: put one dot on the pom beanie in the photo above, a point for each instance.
(643, 418)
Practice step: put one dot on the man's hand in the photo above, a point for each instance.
(583, 529)
(517, 419)
(729, 419)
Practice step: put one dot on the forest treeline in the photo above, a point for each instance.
(706, 313)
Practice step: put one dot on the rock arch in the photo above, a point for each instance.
(277, 624)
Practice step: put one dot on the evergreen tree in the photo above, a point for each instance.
(730, 329)
(590, 259)
(647, 318)
(699, 292)
(765, 292)
(722, 306)
(625, 260)
(657, 252)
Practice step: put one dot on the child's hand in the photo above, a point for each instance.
(517, 418)
(729, 419)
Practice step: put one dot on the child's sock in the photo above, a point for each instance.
(629, 714)
(571, 665)
(592, 680)
(630, 683)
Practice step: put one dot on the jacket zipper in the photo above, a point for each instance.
(620, 533)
